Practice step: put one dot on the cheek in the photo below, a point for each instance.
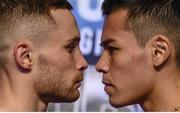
(53, 82)
(64, 62)
(54, 73)
(132, 78)
(130, 86)
(130, 71)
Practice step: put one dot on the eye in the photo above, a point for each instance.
(71, 47)
(112, 49)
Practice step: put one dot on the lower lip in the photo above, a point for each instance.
(78, 84)
(107, 88)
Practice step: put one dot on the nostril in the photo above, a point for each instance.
(98, 69)
(84, 67)
(102, 68)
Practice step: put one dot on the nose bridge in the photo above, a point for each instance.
(81, 63)
(103, 63)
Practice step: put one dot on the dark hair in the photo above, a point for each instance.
(150, 17)
(110, 6)
(27, 17)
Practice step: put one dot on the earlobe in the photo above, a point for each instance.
(23, 56)
(161, 50)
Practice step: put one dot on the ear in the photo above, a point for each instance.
(161, 50)
(23, 56)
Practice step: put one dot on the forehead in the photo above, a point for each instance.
(117, 19)
(116, 27)
(66, 24)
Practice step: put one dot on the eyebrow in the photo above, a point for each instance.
(75, 39)
(106, 42)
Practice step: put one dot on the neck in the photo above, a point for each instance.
(166, 94)
(17, 94)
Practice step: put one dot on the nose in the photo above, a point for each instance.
(81, 64)
(102, 65)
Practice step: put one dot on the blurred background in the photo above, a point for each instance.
(93, 97)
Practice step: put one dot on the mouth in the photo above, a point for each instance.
(106, 83)
(108, 86)
(78, 82)
(80, 79)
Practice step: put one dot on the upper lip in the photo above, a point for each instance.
(80, 79)
(105, 82)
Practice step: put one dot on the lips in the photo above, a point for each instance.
(108, 85)
(78, 81)
(79, 77)
(78, 84)
(106, 81)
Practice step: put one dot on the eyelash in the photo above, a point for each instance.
(71, 47)
(111, 49)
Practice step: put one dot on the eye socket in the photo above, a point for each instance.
(112, 50)
(72, 45)
(109, 46)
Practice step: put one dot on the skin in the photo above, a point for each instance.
(61, 58)
(50, 72)
(137, 75)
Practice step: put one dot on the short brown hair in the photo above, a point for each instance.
(29, 17)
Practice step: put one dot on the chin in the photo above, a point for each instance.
(115, 103)
(72, 97)
(67, 98)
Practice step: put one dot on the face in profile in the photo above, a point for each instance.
(126, 66)
(60, 62)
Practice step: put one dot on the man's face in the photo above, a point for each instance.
(61, 64)
(126, 67)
